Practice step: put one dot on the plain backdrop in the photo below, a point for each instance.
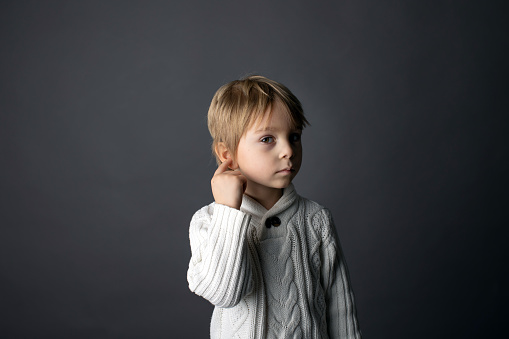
(105, 156)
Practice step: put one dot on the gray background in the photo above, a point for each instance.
(105, 156)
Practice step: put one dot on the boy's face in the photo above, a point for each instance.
(269, 154)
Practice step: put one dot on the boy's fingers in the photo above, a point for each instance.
(223, 167)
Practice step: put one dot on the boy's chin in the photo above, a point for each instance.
(284, 184)
(277, 184)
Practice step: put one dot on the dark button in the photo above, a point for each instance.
(273, 221)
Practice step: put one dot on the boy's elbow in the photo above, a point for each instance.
(220, 296)
(236, 295)
(227, 303)
(218, 301)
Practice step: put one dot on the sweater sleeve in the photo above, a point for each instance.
(220, 265)
(340, 304)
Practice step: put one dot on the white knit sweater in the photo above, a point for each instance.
(289, 281)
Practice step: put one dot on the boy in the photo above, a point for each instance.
(266, 258)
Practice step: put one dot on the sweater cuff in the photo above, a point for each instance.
(231, 222)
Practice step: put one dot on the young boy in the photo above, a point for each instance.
(267, 258)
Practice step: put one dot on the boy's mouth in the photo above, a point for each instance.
(286, 170)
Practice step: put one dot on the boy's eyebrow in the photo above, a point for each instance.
(268, 128)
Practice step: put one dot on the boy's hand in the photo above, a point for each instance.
(228, 186)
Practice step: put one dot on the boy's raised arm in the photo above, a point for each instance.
(220, 266)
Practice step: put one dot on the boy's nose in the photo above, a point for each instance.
(286, 151)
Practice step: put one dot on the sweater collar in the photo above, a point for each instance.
(260, 213)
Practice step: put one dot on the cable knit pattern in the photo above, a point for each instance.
(314, 234)
(289, 281)
(282, 295)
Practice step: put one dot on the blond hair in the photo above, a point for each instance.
(240, 103)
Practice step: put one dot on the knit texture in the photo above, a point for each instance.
(289, 281)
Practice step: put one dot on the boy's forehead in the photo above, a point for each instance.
(266, 122)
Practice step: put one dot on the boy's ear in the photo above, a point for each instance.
(224, 153)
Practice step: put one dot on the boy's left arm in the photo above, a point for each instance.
(339, 297)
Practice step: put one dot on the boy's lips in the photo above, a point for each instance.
(286, 170)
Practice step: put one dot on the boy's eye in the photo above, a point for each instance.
(267, 140)
(295, 137)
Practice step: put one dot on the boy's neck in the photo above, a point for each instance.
(265, 196)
